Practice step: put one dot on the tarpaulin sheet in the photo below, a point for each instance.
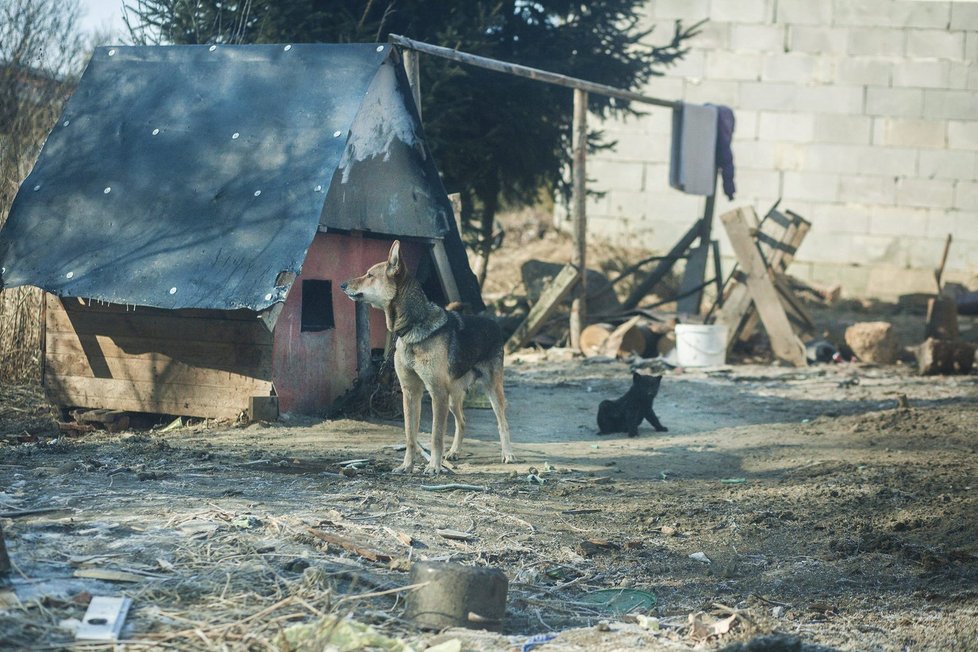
(193, 176)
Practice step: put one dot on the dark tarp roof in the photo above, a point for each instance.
(192, 176)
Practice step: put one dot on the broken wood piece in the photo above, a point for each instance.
(103, 619)
(542, 309)
(111, 420)
(403, 537)
(349, 545)
(75, 427)
(606, 340)
(942, 318)
(107, 574)
(936, 356)
(455, 535)
(785, 344)
(452, 486)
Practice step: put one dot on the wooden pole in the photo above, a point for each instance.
(413, 69)
(526, 71)
(363, 338)
(578, 316)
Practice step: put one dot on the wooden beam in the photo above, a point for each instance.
(663, 268)
(784, 343)
(542, 309)
(413, 69)
(445, 275)
(695, 270)
(578, 315)
(528, 72)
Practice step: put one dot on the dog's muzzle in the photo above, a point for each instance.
(353, 295)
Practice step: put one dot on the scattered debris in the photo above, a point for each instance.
(350, 546)
(453, 486)
(339, 634)
(103, 619)
(456, 535)
(536, 640)
(108, 574)
(618, 602)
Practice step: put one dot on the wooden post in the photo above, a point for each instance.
(363, 338)
(696, 263)
(578, 316)
(413, 70)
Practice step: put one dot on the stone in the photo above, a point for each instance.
(873, 341)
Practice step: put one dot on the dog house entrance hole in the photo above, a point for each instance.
(317, 306)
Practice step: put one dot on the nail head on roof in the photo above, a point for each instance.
(212, 48)
(66, 123)
(268, 297)
(336, 134)
(319, 188)
(111, 53)
(107, 190)
(156, 131)
(37, 187)
(69, 274)
(173, 290)
(380, 48)
(257, 193)
(287, 48)
(235, 135)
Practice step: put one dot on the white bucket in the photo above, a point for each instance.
(701, 345)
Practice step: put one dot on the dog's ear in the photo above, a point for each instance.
(394, 259)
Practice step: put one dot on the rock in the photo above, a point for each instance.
(873, 341)
(936, 356)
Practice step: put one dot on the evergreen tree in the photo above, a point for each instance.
(496, 138)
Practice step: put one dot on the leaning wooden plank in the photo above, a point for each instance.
(785, 345)
(737, 303)
(779, 261)
(559, 288)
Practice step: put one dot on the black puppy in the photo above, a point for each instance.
(626, 413)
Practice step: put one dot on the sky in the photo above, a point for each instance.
(98, 14)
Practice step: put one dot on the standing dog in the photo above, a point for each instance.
(437, 350)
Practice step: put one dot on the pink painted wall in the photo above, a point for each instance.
(310, 370)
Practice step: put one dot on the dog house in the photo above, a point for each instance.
(194, 211)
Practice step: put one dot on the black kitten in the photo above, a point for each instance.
(626, 413)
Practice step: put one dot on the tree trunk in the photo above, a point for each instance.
(488, 221)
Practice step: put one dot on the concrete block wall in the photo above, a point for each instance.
(861, 114)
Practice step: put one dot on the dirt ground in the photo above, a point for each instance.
(833, 507)
(826, 512)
